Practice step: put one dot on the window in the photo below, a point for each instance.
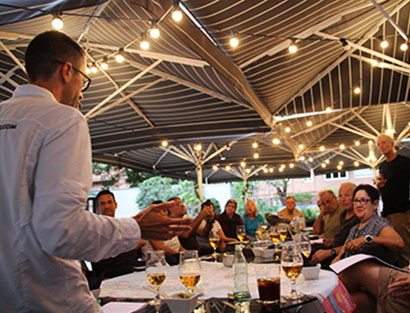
(336, 175)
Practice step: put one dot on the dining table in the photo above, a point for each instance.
(216, 284)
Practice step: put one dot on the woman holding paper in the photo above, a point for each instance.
(373, 235)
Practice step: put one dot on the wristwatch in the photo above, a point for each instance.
(333, 252)
(368, 239)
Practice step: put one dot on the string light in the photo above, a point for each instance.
(271, 170)
(384, 44)
(215, 167)
(256, 155)
(301, 146)
(309, 123)
(327, 161)
(265, 170)
(292, 47)
(154, 30)
(104, 64)
(228, 167)
(176, 12)
(94, 68)
(291, 165)
(357, 90)
(339, 167)
(281, 169)
(374, 62)
(288, 130)
(198, 147)
(357, 143)
(323, 165)
(322, 148)
(356, 163)
(310, 159)
(119, 57)
(275, 141)
(144, 44)
(342, 146)
(87, 70)
(243, 164)
(248, 170)
(404, 46)
(341, 162)
(164, 143)
(57, 22)
(233, 40)
(302, 158)
(328, 110)
(255, 145)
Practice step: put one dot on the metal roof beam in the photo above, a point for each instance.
(13, 57)
(132, 80)
(97, 12)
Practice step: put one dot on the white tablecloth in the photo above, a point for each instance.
(216, 283)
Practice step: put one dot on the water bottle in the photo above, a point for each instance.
(240, 275)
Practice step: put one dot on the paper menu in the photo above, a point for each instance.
(123, 307)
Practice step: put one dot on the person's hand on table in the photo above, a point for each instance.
(401, 286)
(355, 244)
(321, 255)
(156, 226)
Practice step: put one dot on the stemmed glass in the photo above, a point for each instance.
(189, 269)
(214, 241)
(156, 270)
(305, 248)
(241, 232)
(283, 231)
(292, 264)
(274, 233)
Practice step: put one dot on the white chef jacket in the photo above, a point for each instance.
(45, 179)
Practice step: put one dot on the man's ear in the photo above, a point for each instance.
(66, 72)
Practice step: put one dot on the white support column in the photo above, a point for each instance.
(199, 179)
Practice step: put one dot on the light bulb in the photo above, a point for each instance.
(144, 44)
(177, 15)
(215, 167)
(198, 147)
(357, 90)
(342, 146)
(404, 46)
(323, 165)
(374, 62)
(322, 148)
(256, 155)
(327, 161)
(265, 170)
(227, 167)
(339, 167)
(328, 110)
(357, 143)
(104, 64)
(291, 165)
(281, 169)
(87, 70)
(356, 163)
(275, 141)
(309, 123)
(164, 143)
(301, 146)
(310, 159)
(254, 145)
(287, 129)
(271, 170)
(234, 42)
(57, 22)
(384, 44)
(243, 163)
(94, 69)
(292, 48)
(119, 57)
(154, 31)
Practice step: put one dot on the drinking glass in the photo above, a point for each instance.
(292, 264)
(274, 234)
(214, 241)
(305, 248)
(268, 280)
(156, 270)
(189, 269)
(283, 231)
(241, 232)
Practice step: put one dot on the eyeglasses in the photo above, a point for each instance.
(361, 201)
(86, 79)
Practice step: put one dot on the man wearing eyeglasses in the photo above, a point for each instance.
(393, 184)
(45, 179)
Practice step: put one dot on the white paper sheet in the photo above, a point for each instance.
(123, 307)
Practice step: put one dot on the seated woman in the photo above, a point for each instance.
(251, 218)
(229, 220)
(373, 235)
(211, 224)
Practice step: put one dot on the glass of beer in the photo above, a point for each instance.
(305, 248)
(189, 269)
(283, 231)
(214, 241)
(241, 232)
(292, 264)
(156, 270)
(268, 279)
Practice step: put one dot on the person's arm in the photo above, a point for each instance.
(204, 231)
(159, 245)
(323, 254)
(318, 224)
(339, 255)
(388, 237)
(195, 223)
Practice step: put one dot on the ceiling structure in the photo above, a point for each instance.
(298, 112)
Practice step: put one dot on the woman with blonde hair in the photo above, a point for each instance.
(251, 218)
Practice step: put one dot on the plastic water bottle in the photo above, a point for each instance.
(240, 275)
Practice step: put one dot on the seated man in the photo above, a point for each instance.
(376, 287)
(290, 211)
(328, 221)
(123, 263)
(347, 220)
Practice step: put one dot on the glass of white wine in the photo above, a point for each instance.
(292, 264)
(241, 232)
(156, 270)
(214, 241)
(283, 231)
(189, 269)
(305, 248)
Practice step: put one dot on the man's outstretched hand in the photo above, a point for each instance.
(155, 226)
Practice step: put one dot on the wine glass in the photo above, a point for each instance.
(241, 232)
(305, 248)
(156, 270)
(189, 269)
(292, 264)
(274, 233)
(283, 231)
(214, 241)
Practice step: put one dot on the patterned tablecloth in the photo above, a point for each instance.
(216, 282)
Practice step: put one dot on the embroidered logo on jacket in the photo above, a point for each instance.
(8, 126)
